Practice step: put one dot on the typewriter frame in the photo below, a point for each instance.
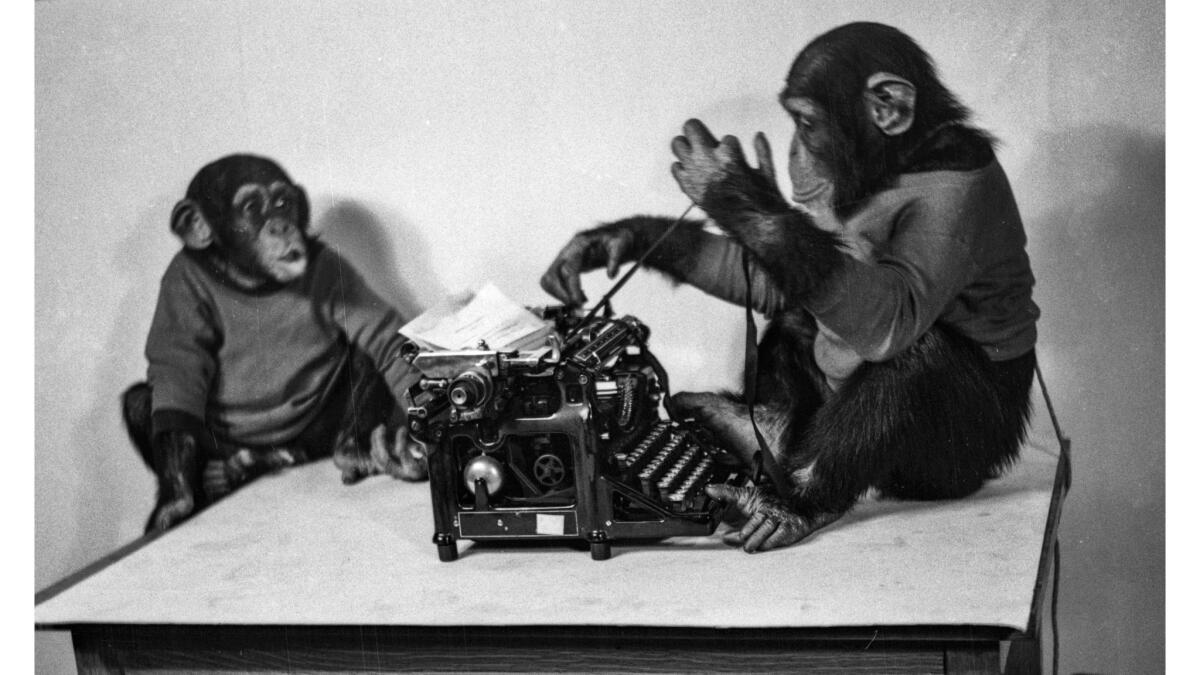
(580, 403)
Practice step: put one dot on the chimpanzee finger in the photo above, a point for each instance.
(615, 247)
(733, 495)
(762, 148)
(698, 134)
(756, 520)
(683, 181)
(754, 540)
(554, 282)
(681, 148)
(783, 536)
(575, 294)
(549, 283)
(730, 151)
(563, 275)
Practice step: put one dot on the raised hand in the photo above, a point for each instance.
(703, 161)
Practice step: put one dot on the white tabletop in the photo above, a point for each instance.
(301, 548)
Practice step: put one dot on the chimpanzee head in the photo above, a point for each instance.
(249, 217)
(853, 95)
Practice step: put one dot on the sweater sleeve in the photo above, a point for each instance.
(181, 351)
(369, 323)
(718, 271)
(881, 307)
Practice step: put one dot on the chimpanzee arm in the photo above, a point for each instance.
(883, 306)
(367, 320)
(796, 254)
(708, 261)
(181, 350)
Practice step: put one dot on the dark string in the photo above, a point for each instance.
(764, 458)
(621, 282)
(1064, 461)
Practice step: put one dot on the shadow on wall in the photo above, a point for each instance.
(1098, 251)
(407, 281)
(110, 478)
(1098, 247)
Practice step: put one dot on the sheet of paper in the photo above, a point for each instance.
(462, 320)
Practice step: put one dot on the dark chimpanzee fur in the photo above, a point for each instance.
(927, 417)
(267, 350)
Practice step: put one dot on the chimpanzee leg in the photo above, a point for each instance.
(983, 454)
(788, 379)
(177, 461)
(135, 409)
(934, 422)
(788, 387)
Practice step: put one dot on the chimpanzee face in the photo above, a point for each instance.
(266, 235)
(809, 156)
(249, 220)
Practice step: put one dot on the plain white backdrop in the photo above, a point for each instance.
(448, 144)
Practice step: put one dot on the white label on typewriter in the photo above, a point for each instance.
(550, 524)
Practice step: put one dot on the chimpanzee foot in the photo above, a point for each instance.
(398, 459)
(730, 422)
(224, 476)
(349, 456)
(395, 459)
(171, 512)
(766, 522)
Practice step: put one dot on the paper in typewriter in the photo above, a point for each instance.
(464, 320)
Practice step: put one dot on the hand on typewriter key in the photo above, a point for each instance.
(606, 247)
(769, 522)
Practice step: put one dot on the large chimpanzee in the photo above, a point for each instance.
(900, 351)
(266, 350)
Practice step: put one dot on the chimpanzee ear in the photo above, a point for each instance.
(188, 223)
(891, 102)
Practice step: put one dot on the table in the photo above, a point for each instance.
(298, 573)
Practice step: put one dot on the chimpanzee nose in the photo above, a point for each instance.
(280, 226)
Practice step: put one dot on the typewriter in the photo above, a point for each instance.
(569, 440)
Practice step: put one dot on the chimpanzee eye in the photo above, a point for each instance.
(283, 201)
(252, 205)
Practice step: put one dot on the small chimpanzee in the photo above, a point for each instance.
(900, 350)
(266, 349)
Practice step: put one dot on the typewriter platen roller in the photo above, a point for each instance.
(568, 441)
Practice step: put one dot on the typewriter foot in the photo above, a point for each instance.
(601, 547)
(447, 549)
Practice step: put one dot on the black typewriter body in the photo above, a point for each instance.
(566, 441)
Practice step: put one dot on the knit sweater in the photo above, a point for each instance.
(255, 367)
(941, 246)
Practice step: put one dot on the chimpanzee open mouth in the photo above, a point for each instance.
(293, 255)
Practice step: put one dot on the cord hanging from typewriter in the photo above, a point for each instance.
(765, 460)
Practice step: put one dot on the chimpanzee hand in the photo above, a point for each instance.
(175, 458)
(404, 459)
(704, 162)
(602, 247)
(770, 523)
